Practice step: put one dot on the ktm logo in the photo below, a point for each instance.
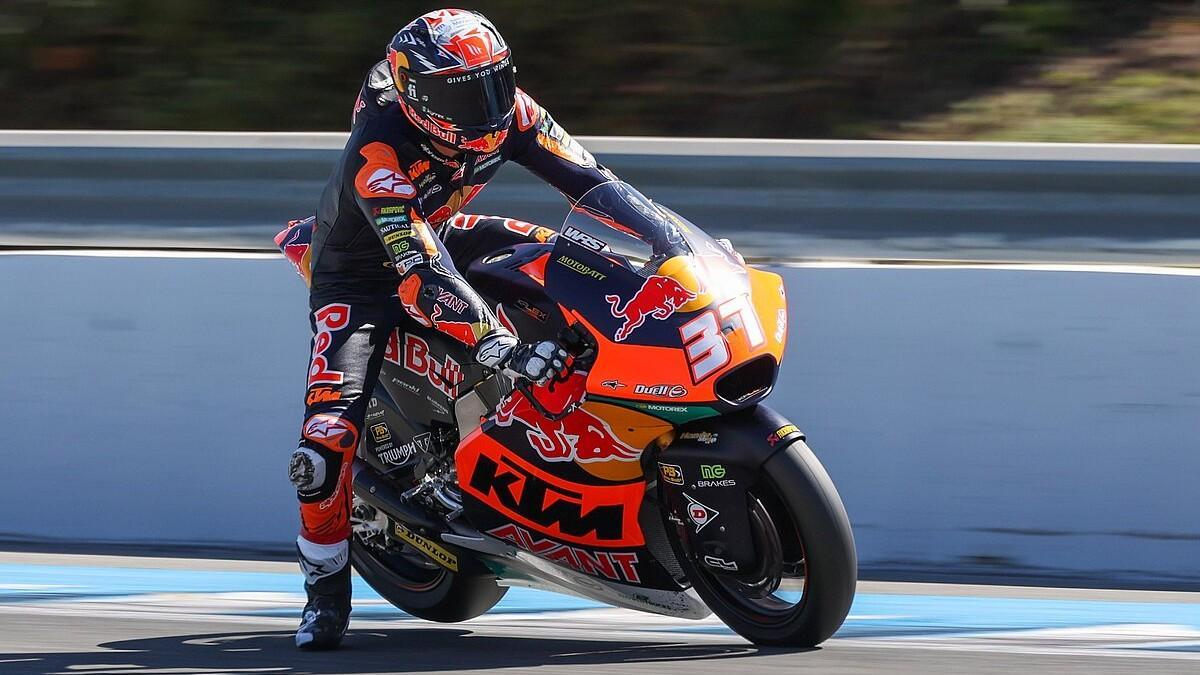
(418, 169)
(589, 515)
(323, 395)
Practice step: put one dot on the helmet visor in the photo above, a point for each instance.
(479, 98)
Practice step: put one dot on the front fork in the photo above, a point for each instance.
(705, 475)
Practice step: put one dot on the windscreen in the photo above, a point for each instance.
(618, 222)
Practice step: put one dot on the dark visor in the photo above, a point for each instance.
(473, 99)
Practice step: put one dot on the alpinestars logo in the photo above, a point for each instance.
(382, 176)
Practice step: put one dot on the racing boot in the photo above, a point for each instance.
(327, 583)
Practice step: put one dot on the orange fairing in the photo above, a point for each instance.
(717, 337)
(590, 515)
(770, 303)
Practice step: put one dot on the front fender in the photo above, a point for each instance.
(704, 476)
(746, 438)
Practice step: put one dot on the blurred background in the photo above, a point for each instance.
(1032, 70)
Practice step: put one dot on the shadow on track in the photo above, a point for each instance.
(417, 650)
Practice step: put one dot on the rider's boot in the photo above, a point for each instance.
(327, 583)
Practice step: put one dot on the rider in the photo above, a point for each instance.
(432, 124)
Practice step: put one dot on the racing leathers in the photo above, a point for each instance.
(386, 248)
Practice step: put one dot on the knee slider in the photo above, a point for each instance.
(314, 473)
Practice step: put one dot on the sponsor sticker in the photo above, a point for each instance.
(660, 390)
(532, 310)
(583, 239)
(323, 395)
(329, 319)
(381, 433)
(713, 475)
(658, 298)
(445, 374)
(705, 437)
(700, 514)
(671, 473)
(611, 565)
(595, 516)
(782, 432)
(452, 301)
(398, 228)
(579, 437)
(720, 563)
(381, 176)
(580, 268)
(397, 455)
(403, 265)
(433, 551)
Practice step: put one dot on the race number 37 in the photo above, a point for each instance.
(704, 336)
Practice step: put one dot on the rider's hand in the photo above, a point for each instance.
(535, 361)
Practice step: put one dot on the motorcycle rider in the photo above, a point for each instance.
(430, 127)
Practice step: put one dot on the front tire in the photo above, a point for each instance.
(428, 591)
(803, 524)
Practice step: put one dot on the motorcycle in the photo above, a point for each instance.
(651, 477)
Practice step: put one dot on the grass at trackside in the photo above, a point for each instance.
(1142, 89)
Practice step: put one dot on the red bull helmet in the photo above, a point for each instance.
(455, 78)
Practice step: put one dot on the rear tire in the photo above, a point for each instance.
(805, 509)
(443, 596)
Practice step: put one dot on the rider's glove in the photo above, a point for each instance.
(536, 362)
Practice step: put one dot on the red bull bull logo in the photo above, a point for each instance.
(659, 298)
(485, 143)
(578, 437)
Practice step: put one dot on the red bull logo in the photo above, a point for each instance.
(578, 437)
(659, 298)
(485, 143)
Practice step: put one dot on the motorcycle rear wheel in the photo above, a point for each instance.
(428, 591)
(805, 531)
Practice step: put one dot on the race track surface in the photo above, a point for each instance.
(146, 616)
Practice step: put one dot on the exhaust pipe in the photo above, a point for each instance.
(377, 492)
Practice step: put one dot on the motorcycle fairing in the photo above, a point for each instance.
(566, 503)
(520, 300)
(557, 512)
(656, 368)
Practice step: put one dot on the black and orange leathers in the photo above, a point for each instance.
(377, 260)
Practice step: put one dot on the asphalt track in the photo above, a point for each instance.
(104, 615)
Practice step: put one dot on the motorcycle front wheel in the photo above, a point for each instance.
(802, 590)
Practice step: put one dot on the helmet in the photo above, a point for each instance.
(455, 78)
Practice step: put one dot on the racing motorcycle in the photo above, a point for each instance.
(651, 477)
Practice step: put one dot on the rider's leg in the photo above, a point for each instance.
(470, 237)
(349, 339)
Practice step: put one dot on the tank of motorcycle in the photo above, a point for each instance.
(684, 328)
